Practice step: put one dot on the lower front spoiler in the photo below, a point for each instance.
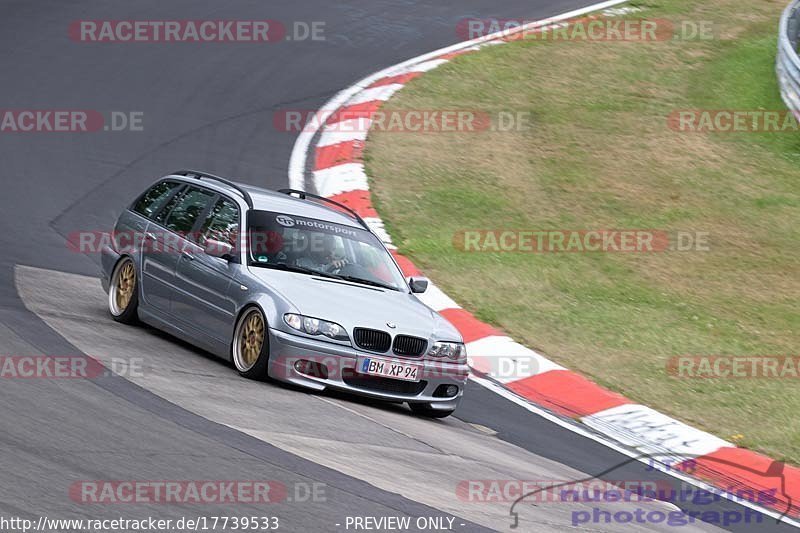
(340, 364)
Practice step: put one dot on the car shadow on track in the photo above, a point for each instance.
(229, 368)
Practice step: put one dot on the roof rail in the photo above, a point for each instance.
(200, 175)
(303, 195)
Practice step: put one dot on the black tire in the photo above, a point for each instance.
(242, 348)
(425, 409)
(124, 309)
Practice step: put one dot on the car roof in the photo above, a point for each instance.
(268, 200)
(291, 205)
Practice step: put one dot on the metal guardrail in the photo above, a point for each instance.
(787, 65)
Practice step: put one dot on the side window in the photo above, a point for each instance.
(182, 217)
(162, 215)
(222, 223)
(151, 201)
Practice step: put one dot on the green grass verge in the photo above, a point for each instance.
(600, 155)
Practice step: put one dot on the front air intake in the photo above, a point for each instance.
(409, 346)
(372, 339)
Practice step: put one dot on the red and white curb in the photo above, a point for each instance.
(501, 364)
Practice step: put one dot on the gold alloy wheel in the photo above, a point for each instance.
(122, 292)
(250, 340)
(126, 282)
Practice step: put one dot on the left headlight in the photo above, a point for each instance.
(452, 350)
(316, 326)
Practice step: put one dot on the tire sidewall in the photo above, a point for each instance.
(259, 370)
(130, 315)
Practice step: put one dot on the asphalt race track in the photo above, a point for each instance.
(188, 416)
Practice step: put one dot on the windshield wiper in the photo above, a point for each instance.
(365, 282)
(294, 268)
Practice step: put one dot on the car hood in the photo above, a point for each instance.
(352, 305)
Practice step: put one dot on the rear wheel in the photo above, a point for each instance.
(123, 292)
(250, 344)
(425, 409)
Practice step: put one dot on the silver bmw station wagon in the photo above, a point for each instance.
(284, 284)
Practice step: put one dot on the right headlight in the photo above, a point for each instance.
(315, 326)
(451, 350)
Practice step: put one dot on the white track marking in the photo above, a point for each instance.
(436, 299)
(297, 161)
(381, 93)
(425, 66)
(340, 178)
(354, 129)
(652, 432)
(624, 450)
(376, 225)
(506, 360)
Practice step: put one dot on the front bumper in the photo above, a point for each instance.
(340, 364)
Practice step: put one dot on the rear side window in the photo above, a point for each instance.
(153, 200)
(192, 204)
(222, 223)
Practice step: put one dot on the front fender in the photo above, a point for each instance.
(108, 259)
(271, 302)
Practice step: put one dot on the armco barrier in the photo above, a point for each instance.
(788, 63)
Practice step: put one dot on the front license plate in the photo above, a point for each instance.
(389, 369)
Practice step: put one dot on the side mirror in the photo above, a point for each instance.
(220, 249)
(418, 284)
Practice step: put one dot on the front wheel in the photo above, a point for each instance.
(425, 409)
(250, 344)
(123, 292)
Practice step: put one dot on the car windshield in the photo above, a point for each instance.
(289, 242)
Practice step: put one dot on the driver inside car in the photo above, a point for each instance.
(326, 254)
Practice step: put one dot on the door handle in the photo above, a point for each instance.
(188, 256)
(149, 236)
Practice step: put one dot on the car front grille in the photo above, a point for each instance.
(409, 346)
(380, 384)
(372, 339)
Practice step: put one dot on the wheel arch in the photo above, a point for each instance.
(239, 314)
(137, 268)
